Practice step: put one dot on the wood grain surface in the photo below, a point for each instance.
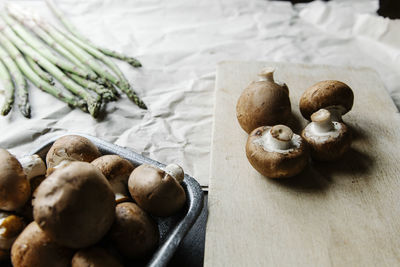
(345, 213)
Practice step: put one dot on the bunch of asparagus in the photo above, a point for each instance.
(32, 48)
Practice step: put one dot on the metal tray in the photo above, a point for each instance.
(172, 229)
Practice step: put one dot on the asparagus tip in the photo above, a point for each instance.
(94, 107)
(25, 109)
(135, 63)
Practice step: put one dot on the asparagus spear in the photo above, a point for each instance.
(92, 103)
(42, 74)
(8, 89)
(20, 83)
(112, 53)
(132, 61)
(122, 83)
(105, 93)
(31, 25)
(35, 79)
(28, 23)
(43, 50)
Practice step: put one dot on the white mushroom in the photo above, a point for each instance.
(276, 152)
(14, 179)
(117, 171)
(328, 139)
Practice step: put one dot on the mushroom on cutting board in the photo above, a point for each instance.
(33, 248)
(134, 233)
(158, 191)
(70, 148)
(263, 103)
(335, 96)
(94, 257)
(328, 140)
(14, 179)
(10, 227)
(276, 152)
(117, 171)
(75, 205)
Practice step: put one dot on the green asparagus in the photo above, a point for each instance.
(39, 71)
(36, 80)
(42, 49)
(92, 103)
(133, 61)
(122, 83)
(31, 25)
(20, 83)
(105, 93)
(8, 89)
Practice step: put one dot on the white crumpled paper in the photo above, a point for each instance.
(179, 43)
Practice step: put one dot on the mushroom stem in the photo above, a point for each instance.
(322, 121)
(267, 74)
(120, 191)
(32, 166)
(175, 171)
(58, 166)
(336, 112)
(279, 137)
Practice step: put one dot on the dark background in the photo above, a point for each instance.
(387, 8)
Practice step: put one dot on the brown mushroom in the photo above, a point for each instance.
(10, 227)
(33, 248)
(134, 233)
(335, 96)
(276, 152)
(14, 179)
(158, 191)
(94, 257)
(263, 103)
(70, 148)
(328, 140)
(117, 171)
(75, 205)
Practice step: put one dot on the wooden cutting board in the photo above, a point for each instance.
(345, 213)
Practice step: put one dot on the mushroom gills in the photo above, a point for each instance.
(175, 171)
(322, 127)
(279, 138)
(328, 139)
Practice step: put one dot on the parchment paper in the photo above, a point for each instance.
(179, 43)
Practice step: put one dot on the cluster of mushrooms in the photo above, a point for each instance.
(272, 148)
(81, 208)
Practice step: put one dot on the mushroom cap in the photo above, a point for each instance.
(326, 94)
(328, 148)
(117, 170)
(33, 248)
(75, 205)
(114, 167)
(156, 191)
(14, 186)
(73, 148)
(94, 257)
(263, 103)
(134, 233)
(275, 164)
